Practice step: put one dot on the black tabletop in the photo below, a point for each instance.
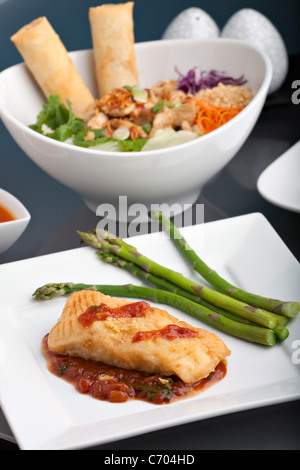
(57, 212)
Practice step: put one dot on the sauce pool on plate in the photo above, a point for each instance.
(114, 384)
(5, 215)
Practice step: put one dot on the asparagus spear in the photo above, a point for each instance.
(111, 238)
(259, 316)
(280, 330)
(159, 282)
(290, 309)
(240, 330)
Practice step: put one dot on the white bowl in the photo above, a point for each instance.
(173, 175)
(12, 230)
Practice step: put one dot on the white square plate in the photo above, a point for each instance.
(45, 412)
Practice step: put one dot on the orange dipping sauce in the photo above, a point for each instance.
(5, 215)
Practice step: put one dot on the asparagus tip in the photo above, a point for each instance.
(91, 239)
(50, 291)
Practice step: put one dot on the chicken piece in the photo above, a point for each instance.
(98, 121)
(143, 117)
(136, 340)
(177, 96)
(161, 90)
(186, 112)
(162, 120)
(89, 136)
(174, 117)
(134, 130)
(142, 113)
(185, 126)
(118, 103)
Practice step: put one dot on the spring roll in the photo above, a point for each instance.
(113, 44)
(140, 337)
(47, 58)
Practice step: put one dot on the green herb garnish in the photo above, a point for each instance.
(60, 123)
(127, 145)
(98, 139)
(56, 120)
(152, 390)
(132, 145)
(62, 368)
(147, 127)
(139, 94)
(161, 104)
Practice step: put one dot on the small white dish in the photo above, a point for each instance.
(12, 230)
(279, 183)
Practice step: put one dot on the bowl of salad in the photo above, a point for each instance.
(158, 142)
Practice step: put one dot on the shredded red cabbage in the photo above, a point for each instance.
(189, 83)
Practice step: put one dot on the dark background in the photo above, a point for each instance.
(151, 17)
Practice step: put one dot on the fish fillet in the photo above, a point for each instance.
(112, 340)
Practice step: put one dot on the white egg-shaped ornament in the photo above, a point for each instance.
(251, 26)
(192, 23)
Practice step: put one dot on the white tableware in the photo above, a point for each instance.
(252, 26)
(45, 412)
(12, 230)
(170, 175)
(279, 183)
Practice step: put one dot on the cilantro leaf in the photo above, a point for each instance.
(59, 121)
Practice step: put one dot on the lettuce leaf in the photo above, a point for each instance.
(168, 137)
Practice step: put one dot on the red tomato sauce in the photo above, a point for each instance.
(102, 312)
(5, 215)
(114, 384)
(169, 333)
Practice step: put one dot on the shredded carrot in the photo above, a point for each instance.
(210, 117)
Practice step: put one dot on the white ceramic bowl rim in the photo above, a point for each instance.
(11, 203)
(119, 155)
